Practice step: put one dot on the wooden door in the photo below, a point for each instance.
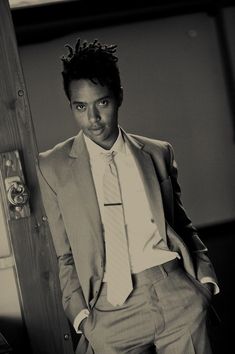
(44, 327)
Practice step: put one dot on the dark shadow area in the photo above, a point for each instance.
(220, 242)
(16, 336)
(5, 348)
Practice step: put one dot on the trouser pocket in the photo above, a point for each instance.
(202, 288)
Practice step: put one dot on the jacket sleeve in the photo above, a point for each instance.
(72, 296)
(183, 226)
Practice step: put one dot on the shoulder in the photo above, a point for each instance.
(164, 148)
(56, 154)
(52, 163)
(161, 152)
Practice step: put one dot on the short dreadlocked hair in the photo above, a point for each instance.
(93, 61)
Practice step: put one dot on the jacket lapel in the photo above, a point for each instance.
(85, 190)
(150, 181)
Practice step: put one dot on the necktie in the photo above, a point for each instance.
(117, 256)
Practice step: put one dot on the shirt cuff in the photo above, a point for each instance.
(205, 280)
(78, 319)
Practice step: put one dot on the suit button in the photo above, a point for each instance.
(152, 220)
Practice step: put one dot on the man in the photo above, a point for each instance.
(134, 274)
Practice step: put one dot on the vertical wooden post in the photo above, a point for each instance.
(36, 263)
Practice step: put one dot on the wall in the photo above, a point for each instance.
(174, 90)
(9, 302)
(11, 312)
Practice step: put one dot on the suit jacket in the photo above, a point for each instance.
(72, 208)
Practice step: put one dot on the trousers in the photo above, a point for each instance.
(165, 314)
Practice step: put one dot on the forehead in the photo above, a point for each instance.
(84, 90)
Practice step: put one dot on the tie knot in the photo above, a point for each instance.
(108, 156)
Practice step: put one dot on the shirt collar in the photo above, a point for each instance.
(95, 150)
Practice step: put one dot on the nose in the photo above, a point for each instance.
(93, 113)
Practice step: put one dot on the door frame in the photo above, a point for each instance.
(47, 327)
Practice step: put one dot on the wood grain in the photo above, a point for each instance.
(36, 263)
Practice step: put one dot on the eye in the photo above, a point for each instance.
(104, 102)
(80, 107)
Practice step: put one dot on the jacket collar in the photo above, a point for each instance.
(79, 146)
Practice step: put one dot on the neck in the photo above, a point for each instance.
(108, 144)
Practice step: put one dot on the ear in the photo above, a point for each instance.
(120, 99)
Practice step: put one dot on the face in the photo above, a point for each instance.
(95, 110)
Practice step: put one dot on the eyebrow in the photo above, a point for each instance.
(99, 99)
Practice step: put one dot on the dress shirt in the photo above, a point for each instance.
(142, 231)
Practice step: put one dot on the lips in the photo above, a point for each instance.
(96, 130)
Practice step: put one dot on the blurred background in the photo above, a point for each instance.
(177, 65)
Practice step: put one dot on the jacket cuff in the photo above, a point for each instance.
(78, 319)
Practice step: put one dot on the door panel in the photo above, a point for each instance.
(38, 309)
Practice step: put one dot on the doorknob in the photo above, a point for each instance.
(13, 189)
(17, 193)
